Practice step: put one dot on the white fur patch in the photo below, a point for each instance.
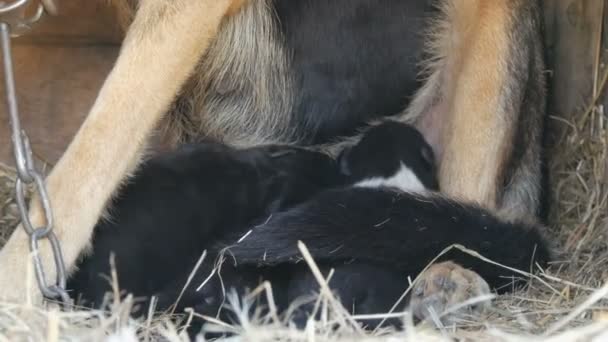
(404, 179)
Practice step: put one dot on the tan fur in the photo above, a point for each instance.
(466, 84)
(108, 144)
(251, 108)
(476, 133)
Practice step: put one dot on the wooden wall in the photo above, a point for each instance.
(59, 68)
(576, 42)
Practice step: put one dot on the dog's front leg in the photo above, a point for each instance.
(161, 49)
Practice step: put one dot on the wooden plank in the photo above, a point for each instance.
(572, 29)
(78, 22)
(59, 68)
(56, 85)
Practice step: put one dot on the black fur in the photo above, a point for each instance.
(210, 196)
(352, 60)
(167, 214)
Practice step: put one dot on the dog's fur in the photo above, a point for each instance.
(380, 227)
(248, 72)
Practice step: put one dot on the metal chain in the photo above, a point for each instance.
(26, 170)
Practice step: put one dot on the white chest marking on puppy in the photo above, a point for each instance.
(404, 179)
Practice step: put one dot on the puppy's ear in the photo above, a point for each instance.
(343, 162)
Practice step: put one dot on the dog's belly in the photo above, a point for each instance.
(306, 71)
(352, 60)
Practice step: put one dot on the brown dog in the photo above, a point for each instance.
(306, 72)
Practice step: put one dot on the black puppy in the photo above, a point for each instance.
(176, 204)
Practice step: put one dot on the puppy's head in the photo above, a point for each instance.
(391, 154)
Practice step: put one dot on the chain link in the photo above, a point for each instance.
(12, 13)
(26, 170)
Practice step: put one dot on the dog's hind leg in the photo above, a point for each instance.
(161, 48)
(483, 102)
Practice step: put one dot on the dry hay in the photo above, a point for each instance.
(8, 209)
(566, 302)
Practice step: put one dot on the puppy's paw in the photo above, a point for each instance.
(439, 293)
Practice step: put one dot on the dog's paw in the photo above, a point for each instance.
(439, 293)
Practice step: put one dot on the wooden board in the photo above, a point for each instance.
(573, 30)
(59, 68)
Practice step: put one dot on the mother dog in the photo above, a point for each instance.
(306, 72)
